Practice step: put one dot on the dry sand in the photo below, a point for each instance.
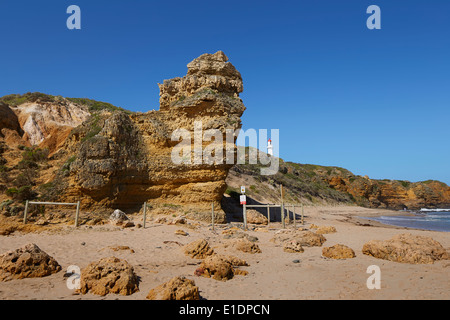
(272, 273)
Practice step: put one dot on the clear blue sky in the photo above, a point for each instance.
(376, 102)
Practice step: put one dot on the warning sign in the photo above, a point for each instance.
(243, 199)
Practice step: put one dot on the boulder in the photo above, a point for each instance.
(220, 267)
(119, 218)
(407, 248)
(338, 251)
(246, 245)
(323, 229)
(109, 275)
(292, 246)
(304, 238)
(177, 288)
(256, 217)
(198, 249)
(28, 261)
(215, 267)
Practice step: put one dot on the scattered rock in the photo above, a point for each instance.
(338, 251)
(41, 222)
(304, 238)
(292, 246)
(323, 229)
(256, 217)
(28, 261)
(128, 224)
(118, 218)
(215, 267)
(246, 245)
(181, 233)
(198, 249)
(407, 248)
(178, 288)
(121, 248)
(220, 267)
(161, 220)
(296, 261)
(109, 275)
(178, 220)
(238, 234)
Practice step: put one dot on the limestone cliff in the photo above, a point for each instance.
(315, 184)
(129, 160)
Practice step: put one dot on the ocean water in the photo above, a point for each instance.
(428, 219)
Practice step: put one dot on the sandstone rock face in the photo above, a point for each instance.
(198, 249)
(392, 193)
(47, 124)
(130, 159)
(109, 275)
(28, 261)
(407, 248)
(177, 288)
(338, 251)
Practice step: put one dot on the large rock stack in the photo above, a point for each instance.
(130, 159)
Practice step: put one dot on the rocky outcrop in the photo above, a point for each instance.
(338, 251)
(220, 267)
(407, 248)
(28, 261)
(177, 288)
(198, 249)
(129, 159)
(109, 275)
(315, 184)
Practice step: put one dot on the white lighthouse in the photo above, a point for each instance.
(269, 147)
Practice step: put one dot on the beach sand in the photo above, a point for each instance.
(272, 273)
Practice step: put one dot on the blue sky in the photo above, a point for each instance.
(375, 102)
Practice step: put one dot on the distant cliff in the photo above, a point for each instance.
(315, 184)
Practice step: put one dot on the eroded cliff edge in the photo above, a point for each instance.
(129, 160)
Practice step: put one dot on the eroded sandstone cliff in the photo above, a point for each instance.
(129, 160)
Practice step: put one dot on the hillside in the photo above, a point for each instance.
(315, 185)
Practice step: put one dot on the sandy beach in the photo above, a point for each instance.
(273, 274)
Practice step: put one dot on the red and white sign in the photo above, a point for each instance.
(243, 199)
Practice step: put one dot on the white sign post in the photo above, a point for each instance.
(243, 199)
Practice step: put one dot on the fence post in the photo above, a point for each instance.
(212, 215)
(145, 212)
(293, 216)
(245, 217)
(282, 206)
(303, 222)
(268, 214)
(77, 214)
(25, 212)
